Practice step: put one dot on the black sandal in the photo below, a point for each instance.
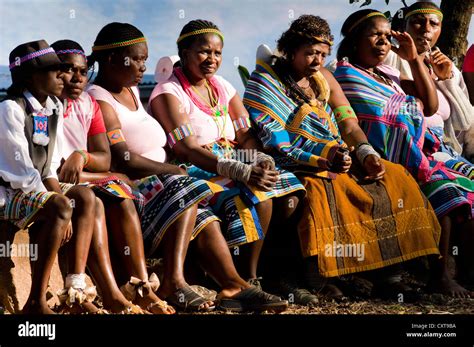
(253, 299)
(187, 300)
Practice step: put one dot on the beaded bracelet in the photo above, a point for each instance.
(180, 133)
(85, 155)
(344, 112)
(241, 123)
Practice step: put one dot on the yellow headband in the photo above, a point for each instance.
(201, 31)
(426, 11)
(119, 44)
(317, 38)
(371, 14)
(323, 40)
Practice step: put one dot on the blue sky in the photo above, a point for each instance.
(245, 23)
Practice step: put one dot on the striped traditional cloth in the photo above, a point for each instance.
(396, 127)
(21, 208)
(235, 203)
(393, 121)
(350, 224)
(294, 131)
(114, 187)
(171, 196)
(465, 168)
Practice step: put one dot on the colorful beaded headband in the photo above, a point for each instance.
(118, 44)
(201, 31)
(426, 11)
(31, 56)
(71, 51)
(372, 14)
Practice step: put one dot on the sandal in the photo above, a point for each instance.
(208, 294)
(187, 300)
(77, 301)
(296, 295)
(253, 299)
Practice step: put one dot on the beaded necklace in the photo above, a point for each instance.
(218, 111)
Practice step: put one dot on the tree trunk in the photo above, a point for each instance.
(456, 19)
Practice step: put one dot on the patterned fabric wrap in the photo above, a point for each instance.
(234, 202)
(21, 208)
(300, 134)
(355, 227)
(114, 187)
(396, 128)
(167, 197)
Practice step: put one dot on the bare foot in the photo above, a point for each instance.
(118, 305)
(152, 303)
(448, 286)
(233, 289)
(34, 307)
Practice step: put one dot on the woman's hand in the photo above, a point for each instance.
(68, 234)
(265, 161)
(442, 65)
(407, 49)
(71, 169)
(342, 161)
(374, 168)
(263, 179)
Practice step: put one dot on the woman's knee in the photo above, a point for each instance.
(266, 205)
(288, 206)
(82, 196)
(99, 208)
(127, 208)
(58, 206)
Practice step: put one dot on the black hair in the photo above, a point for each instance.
(301, 32)
(16, 89)
(197, 24)
(62, 45)
(398, 19)
(351, 34)
(112, 33)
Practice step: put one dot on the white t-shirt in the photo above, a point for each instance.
(144, 135)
